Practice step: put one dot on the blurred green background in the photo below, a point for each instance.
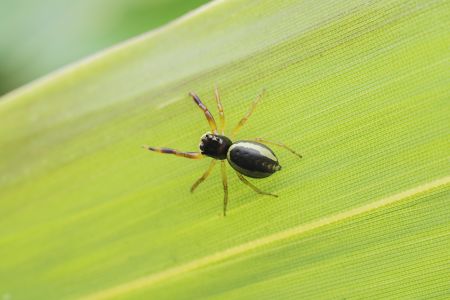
(38, 37)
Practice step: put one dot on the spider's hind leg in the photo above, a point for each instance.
(242, 178)
(264, 141)
(225, 187)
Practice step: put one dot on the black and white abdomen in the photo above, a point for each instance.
(252, 159)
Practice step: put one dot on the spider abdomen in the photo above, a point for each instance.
(252, 159)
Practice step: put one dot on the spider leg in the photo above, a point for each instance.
(204, 176)
(208, 114)
(225, 187)
(264, 141)
(191, 155)
(220, 108)
(247, 115)
(242, 178)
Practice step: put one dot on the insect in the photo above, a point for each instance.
(251, 158)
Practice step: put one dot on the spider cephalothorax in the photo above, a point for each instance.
(247, 157)
(214, 145)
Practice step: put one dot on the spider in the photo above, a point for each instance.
(249, 158)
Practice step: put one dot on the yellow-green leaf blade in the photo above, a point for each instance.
(361, 90)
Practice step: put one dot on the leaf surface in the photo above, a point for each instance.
(359, 89)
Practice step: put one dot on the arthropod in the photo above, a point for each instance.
(250, 158)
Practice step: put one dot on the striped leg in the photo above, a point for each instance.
(225, 188)
(264, 141)
(247, 115)
(191, 155)
(242, 178)
(204, 176)
(220, 108)
(208, 114)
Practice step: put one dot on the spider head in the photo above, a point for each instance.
(215, 146)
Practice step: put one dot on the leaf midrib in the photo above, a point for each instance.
(151, 279)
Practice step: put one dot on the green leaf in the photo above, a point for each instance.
(359, 89)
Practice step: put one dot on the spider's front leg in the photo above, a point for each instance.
(208, 115)
(191, 155)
